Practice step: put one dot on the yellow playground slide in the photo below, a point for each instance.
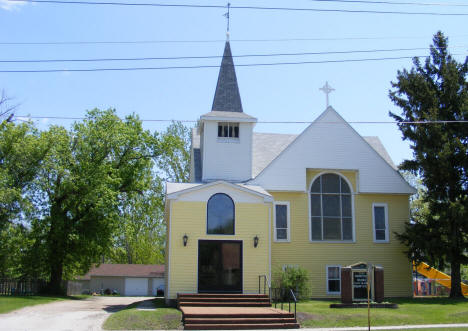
(440, 277)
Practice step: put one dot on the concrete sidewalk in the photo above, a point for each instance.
(393, 327)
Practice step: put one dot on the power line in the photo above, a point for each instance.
(210, 66)
(143, 4)
(260, 122)
(215, 56)
(110, 42)
(412, 3)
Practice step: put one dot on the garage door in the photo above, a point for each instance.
(136, 286)
(156, 283)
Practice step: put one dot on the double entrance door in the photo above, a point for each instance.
(219, 266)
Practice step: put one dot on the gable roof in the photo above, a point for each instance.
(173, 190)
(125, 270)
(227, 96)
(267, 146)
(331, 143)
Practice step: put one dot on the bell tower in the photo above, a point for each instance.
(226, 131)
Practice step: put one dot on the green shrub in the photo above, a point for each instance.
(294, 278)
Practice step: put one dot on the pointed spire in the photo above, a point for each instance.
(227, 96)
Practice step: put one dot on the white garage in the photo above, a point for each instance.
(136, 286)
(124, 279)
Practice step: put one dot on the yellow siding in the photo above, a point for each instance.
(190, 218)
(315, 256)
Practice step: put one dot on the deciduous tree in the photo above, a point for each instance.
(142, 230)
(84, 176)
(21, 155)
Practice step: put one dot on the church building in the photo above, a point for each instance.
(259, 202)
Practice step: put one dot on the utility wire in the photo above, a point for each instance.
(20, 117)
(210, 66)
(97, 42)
(143, 4)
(412, 3)
(215, 56)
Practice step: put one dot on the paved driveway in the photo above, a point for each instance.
(79, 315)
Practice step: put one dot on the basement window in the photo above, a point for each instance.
(333, 279)
(228, 130)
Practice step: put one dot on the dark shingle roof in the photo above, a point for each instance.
(227, 96)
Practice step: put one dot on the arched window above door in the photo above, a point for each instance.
(220, 214)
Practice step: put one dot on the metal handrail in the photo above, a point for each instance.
(281, 295)
(291, 292)
(266, 282)
(273, 294)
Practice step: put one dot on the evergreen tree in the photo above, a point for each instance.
(436, 92)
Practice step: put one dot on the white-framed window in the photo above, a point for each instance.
(333, 279)
(282, 221)
(380, 222)
(289, 266)
(331, 211)
(228, 130)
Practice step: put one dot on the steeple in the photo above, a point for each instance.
(227, 96)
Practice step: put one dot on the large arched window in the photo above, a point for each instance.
(330, 209)
(220, 214)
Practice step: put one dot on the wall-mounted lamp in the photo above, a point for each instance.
(185, 239)
(255, 241)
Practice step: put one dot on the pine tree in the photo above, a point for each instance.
(436, 92)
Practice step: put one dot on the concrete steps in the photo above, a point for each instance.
(223, 300)
(248, 326)
(232, 312)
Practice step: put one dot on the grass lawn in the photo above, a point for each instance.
(9, 303)
(131, 318)
(316, 313)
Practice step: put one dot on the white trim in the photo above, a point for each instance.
(202, 149)
(269, 241)
(339, 277)
(169, 253)
(352, 193)
(387, 237)
(225, 140)
(288, 221)
(174, 195)
(228, 119)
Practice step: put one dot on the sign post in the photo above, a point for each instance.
(369, 274)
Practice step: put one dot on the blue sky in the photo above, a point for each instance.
(270, 93)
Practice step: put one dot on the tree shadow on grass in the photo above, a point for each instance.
(430, 301)
(157, 303)
(116, 308)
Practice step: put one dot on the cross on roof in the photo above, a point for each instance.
(327, 89)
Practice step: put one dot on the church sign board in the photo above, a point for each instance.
(359, 281)
(354, 279)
